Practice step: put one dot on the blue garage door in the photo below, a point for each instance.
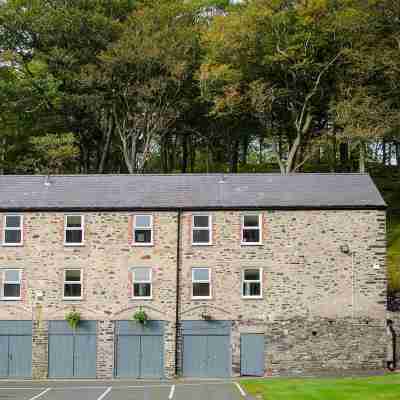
(15, 349)
(252, 354)
(72, 353)
(206, 349)
(139, 349)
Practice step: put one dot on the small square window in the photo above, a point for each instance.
(74, 230)
(201, 283)
(11, 284)
(252, 283)
(73, 284)
(251, 229)
(142, 282)
(201, 229)
(143, 230)
(12, 235)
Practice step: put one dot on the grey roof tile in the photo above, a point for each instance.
(188, 191)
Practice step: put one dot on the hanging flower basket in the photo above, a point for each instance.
(141, 317)
(73, 318)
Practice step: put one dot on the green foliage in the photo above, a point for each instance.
(140, 316)
(73, 318)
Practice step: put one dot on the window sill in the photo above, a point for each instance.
(142, 298)
(72, 298)
(74, 244)
(252, 297)
(10, 298)
(202, 244)
(142, 244)
(202, 298)
(13, 244)
(251, 243)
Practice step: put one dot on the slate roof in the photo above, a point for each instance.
(188, 191)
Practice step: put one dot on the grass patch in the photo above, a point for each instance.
(385, 387)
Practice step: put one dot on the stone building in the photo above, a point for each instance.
(248, 274)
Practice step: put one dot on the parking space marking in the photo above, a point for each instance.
(171, 393)
(242, 392)
(40, 394)
(105, 393)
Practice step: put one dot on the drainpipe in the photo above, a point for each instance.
(178, 258)
(353, 285)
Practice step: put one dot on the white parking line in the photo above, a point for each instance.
(242, 392)
(171, 393)
(40, 394)
(105, 393)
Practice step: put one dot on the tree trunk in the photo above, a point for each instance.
(344, 155)
(361, 160)
(384, 153)
(106, 146)
(235, 157)
(185, 154)
(397, 149)
(2, 154)
(260, 150)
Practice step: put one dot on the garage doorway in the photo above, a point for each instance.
(72, 353)
(15, 349)
(206, 349)
(139, 349)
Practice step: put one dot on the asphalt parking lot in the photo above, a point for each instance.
(114, 390)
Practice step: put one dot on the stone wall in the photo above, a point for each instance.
(309, 284)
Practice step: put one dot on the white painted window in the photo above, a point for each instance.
(201, 283)
(73, 284)
(201, 229)
(142, 283)
(252, 283)
(11, 289)
(143, 230)
(251, 229)
(74, 232)
(12, 232)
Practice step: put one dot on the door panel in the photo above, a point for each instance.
(195, 355)
(151, 356)
(20, 356)
(85, 356)
(252, 354)
(61, 356)
(128, 357)
(218, 353)
(3, 356)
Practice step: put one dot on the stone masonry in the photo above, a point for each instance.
(321, 310)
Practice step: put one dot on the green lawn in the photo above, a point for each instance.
(385, 387)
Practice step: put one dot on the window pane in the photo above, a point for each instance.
(72, 290)
(141, 274)
(74, 221)
(73, 236)
(143, 221)
(251, 220)
(73, 275)
(201, 221)
(251, 274)
(13, 221)
(201, 236)
(142, 236)
(251, 289)
(12, 236)
(12, 290)
(142, 289)
(201, 289)
(11, 276)
(200, 274)
(251, 235)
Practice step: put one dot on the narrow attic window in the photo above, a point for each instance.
(143, 230)
(74, 230)
(251, 229)
(201, 229)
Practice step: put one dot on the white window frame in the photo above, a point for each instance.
(72, 283)
(82, 228)
(243, 243)
(260, 296)
(20, 228)
(11, 282)
(209, 281)
(209, 229)
(151, 229)
(148, 281)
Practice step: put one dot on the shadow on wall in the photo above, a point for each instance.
(393, 338)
